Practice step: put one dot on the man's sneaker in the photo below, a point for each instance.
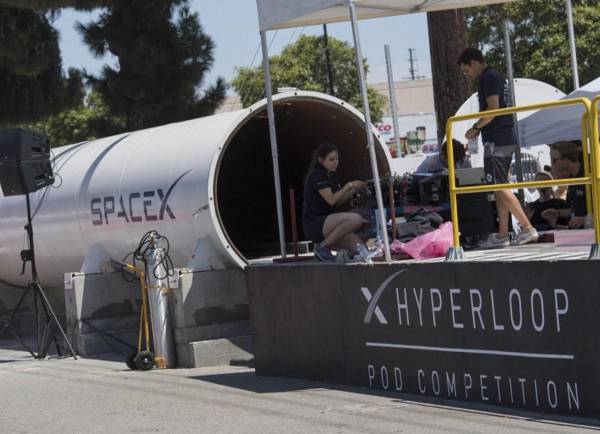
(495, 241)
(526, 237)
(323, 254)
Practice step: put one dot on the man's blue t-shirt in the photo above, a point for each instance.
(500, 131)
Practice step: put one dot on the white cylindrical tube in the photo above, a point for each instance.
(206, 184)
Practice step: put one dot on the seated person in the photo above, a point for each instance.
(566, 163)
(438, 162)
(322, 224)
(546, 201)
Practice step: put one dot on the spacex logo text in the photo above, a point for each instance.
(134, 207)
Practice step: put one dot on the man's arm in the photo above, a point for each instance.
(493, 103)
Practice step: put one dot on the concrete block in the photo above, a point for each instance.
(212, 331)
(208, 305)
(101, 302)
(209, 297)
(91, 344)
(218, 352)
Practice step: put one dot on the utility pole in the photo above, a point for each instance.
(413, 62)
(328, 61)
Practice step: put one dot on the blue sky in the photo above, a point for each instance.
(233, 25)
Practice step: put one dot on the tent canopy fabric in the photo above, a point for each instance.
(556, 124)
(280, 14)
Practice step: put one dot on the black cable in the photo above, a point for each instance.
(147, 243)
(56, 175)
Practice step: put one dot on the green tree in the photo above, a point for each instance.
(540, 40)
(32, 82)
(55, 5)
(89, 121)
(302, 65)
(161, 62)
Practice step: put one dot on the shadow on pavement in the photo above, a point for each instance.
(251, 382)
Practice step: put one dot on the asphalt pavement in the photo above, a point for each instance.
(101, 395)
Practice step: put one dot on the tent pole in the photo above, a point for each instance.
(572, 44)
(273, 137)
(392, 89)
(513, 102)
(368, 129)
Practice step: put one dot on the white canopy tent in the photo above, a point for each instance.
(278, 14)
(561, 123)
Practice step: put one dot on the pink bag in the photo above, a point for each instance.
(430, 245)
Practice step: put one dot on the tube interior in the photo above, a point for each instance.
(245, 192)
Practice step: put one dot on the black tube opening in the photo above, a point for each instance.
(244, 188)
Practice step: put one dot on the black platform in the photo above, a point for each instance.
(514, 327)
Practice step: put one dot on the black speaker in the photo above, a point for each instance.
(18, 144)
(475, 214)
(24, 162)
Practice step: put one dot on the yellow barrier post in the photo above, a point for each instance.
(595, 155)
(456, 251)
(586, 180)
(585, 128)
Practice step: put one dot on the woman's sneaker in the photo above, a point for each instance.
(323, 254)
(343, 256)
(495, 241)
(526, 237)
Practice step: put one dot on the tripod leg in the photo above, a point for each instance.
(14, 313)
(6, 325)
(43, 337)
(39, 338)
(62, 332)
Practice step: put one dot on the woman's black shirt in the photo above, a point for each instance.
(314, 205)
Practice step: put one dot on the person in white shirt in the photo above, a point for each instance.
(438, 162)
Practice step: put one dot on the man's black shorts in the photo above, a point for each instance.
(496, 162)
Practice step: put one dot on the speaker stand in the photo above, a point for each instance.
(47, 336)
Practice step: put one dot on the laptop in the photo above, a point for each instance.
(472, 176)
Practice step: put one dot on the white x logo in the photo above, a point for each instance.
(373, 299)
(378, 312)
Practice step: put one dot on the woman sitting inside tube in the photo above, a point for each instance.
(323, 225)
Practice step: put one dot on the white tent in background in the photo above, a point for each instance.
(562, 123)
(280, 14)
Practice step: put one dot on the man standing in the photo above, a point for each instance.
(499, 140)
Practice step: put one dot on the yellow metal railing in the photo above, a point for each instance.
(595, 145)
(588, 179)
(586, 146)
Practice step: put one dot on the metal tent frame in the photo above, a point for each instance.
(279, 14)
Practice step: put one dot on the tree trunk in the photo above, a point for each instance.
(447, 40)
